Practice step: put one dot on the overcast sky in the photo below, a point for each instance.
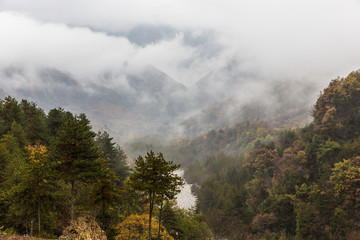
(186, 39)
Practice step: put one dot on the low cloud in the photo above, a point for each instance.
(86, 54)
(217, 49)
(185, 39)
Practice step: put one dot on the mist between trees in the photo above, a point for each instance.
(56, 169)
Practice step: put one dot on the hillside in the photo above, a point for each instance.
(257, 181)
(150, 103)
(140, 103)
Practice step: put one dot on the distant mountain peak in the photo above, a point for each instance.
(52, 75)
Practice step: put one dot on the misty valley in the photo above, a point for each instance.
(179, 120)
(269, 173)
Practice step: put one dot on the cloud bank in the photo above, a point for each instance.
(186, 39)
(218, 49)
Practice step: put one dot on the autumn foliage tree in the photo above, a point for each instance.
(346, 179)
(136, 227)
(336, 112)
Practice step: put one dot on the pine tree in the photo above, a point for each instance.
(55, 118)
(10, 112)
(105, 193)
(34, 122)
(11, 164)
(155, 178)
(113, 154)
(18, 132)
(75, 154)
(34, 191)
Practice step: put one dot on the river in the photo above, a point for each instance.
(185, 199)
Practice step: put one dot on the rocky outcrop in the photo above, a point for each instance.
(83, 228)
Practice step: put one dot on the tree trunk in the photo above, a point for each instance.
(39, 222)
(104, 220)
(72, 200)
(31, 228)
(161, 205)
(150, 215)
(103, 206)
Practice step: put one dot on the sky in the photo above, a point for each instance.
(310, 40)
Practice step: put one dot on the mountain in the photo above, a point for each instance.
(260, 182)
(151, 103)
(148, 101)
(283, 104)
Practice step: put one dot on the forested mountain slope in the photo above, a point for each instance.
(146, 98)
(256, 181)
(253, 180)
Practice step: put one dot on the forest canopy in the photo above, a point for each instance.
(260, 182)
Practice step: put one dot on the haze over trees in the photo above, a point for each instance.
(253, 180)
(256, 181)
(54, 168)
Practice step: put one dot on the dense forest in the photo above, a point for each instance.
(54, 168)
(255, 181)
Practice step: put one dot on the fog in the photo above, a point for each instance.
(217, 50)
(186, 39)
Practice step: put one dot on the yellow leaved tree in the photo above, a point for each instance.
(136, 227)
(31, 196)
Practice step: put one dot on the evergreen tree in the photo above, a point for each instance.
(10, 112)
(75, 154)
(12, 158)
(114, 155)
(34, 122)
(34, 192)
(18, 132)
(105, 193)
(11, 164)
(55, 118)
(155, 178)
